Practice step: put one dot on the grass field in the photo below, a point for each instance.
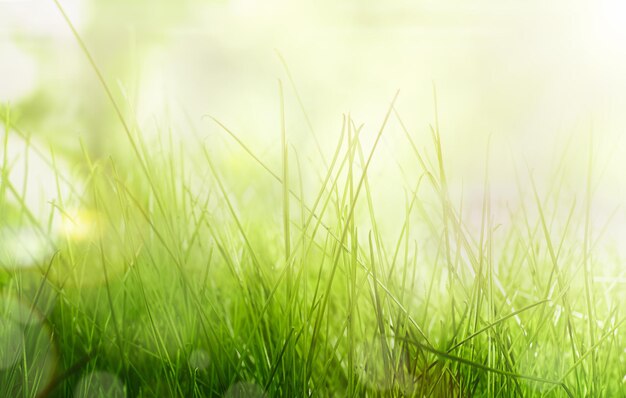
(178, 268)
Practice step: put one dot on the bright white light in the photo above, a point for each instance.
(611, 26)
(23, 247)
(34, 188)
(30, 173)
(41, 17)
(79, 224)
(18, 73)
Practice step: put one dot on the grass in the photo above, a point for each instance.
(163, 276)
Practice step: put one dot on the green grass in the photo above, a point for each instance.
(169, 278)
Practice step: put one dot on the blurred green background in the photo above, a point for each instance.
(531, 81)
(523, 94)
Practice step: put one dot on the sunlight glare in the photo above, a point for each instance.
(79, 224)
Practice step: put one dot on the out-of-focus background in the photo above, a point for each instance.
(534, 79)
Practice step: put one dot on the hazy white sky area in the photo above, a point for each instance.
(531, 75)
(519, 69)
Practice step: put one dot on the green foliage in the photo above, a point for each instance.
(163, 282)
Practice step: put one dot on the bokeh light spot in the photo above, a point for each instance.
(244, 389)
(99, 384)
(199, 359)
